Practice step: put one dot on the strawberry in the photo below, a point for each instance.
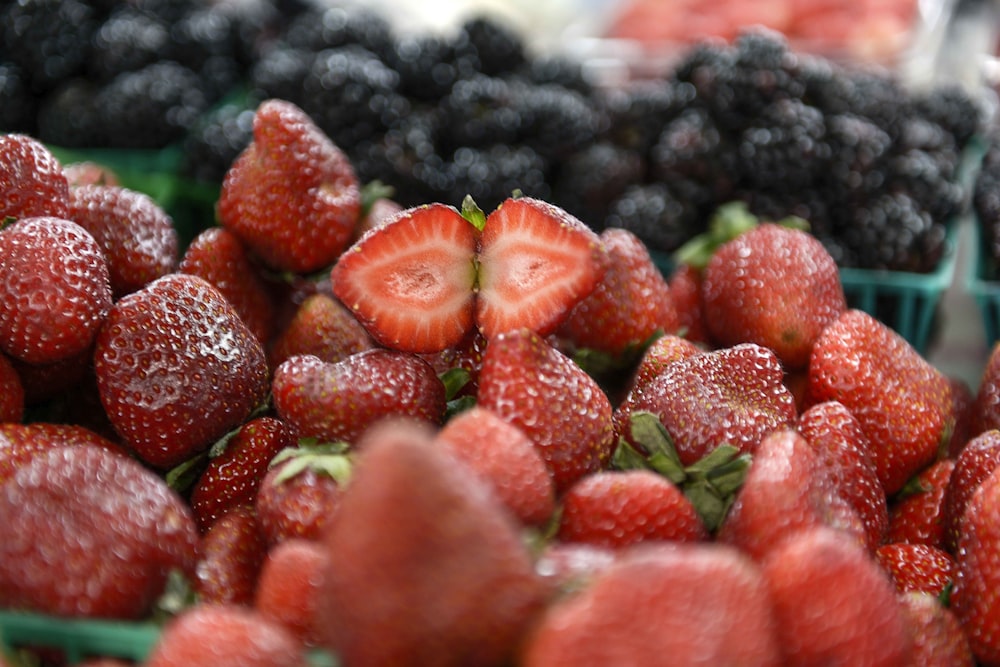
(974, 464)
(902, 402)
(292, 195)
(87, 172)
(217, 255)
(974, 597)
(630, 304)
(11, 392)
(685, 291)
(732, 395)
(553, 401)
(177, 368)
(916, 514)
(985, 410)
(377, 207)
(464, 360)
(218, 634)
(301, 491)
(833, 605)
(447, 569)
(20, 442)
(87, 532)
(44, 382)
(322, 327)
(773, 285)
(661, 603)
(231, 555)
(288, 587)
(845, 451)
(233, 475)
(504, 457)
(917, 567)
(569, 566)
(536, 262)
(54, 289)
(137, 235)
(787, 489)
(621, 508)
(935, 633)
(410, 281)
(962, 400)
(32, 182)
(338, 401)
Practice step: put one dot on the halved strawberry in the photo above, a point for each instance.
(536, 262)
(411, 280)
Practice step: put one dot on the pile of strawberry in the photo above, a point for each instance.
(454, 437)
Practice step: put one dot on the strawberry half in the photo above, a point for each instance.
(410, 281)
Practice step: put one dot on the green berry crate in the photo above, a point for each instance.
(81, 638)
(983, 287)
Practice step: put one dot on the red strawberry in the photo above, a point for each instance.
(465, 358)
(322, 327)
(87, 172)
(137, 235)
(20, 442)
(446, 569)
(504, 457)
(975, 598)
(661, 604)
(917, 512)
(32, 182)
(787, 489)
(233, 475)
(569, 566)
(775, 286)
(288, 587)
(410, 281)
(217, 255)
(917, 567)
(902, 402)
(630, 304)
(44, 382)
(734, 395)
(301, 492)
(562, 409)
(985, 411)
(54, 289)
(292, 195)
(87, 532)
(685, 290)
(979, 458)
(339, 401)
(845, 450)
(212, 634)
(962, 400)
(620, 508)
(11, 392)
(536, 262)
(832, 603)
(229, 562)
(177, 368)
(936, 635)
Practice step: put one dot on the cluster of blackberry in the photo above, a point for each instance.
(986, 206)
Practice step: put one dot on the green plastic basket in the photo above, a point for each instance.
(80, 638)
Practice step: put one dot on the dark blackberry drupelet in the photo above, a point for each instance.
(692, 148)
(203, 34)
(589, 181)
(986, 205)
(216, 140)
(49, 39)
(558, 69)
(426, 64)
(658, 214)
(68, 116)
(858, 149)
(479, 111)
(280, 73)
(494, 47)
(406, 157)
(20, 107)
(639, 112)
(493, 173)
(127, 40)
(557, 121)
(894, 233)
(955, 109)
(322, 27)
(930, 180)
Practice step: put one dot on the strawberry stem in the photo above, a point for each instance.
(472, 213)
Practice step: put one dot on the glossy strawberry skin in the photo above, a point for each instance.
(617, 509)
(137, 235)
(733, 395)
(919, 516)
(288, 587)
(217, 255)
(230, 558)
(292, 195)
(937, 636)
(20, 442)
(562, 409)
(337, 402)
(177, 369)
(322, 327)
(32, 182)
(630, 304)
(902, 401)
(985, 410)
(299, 506)
(90, 533)
(974, 463)
(233, 477)
(54, 289)
(11, 392)
(685, 288)
(917, 567)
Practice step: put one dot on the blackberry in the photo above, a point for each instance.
(692, 148)
(20, 107)
(560, 70)
(202, 34)
(168, 11)
(493, 173)
(256, 23)
(426, 64)
(892, 232)
(657, 214)
(786, 151)
(986, 204)
(48, 39)
(351, 94)
(929, 180)
(638, 112)
(587, 182)
(126, 41)
(480, 111)
(858, 150)
(321, 27)
(496, 48)
(558, 121)
(880, 97)
(280, 73)
(151, 107)
(68, 117)
(405, 156)
(215, 142)
(953, 108)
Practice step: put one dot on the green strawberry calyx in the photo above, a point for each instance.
(330, 459)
